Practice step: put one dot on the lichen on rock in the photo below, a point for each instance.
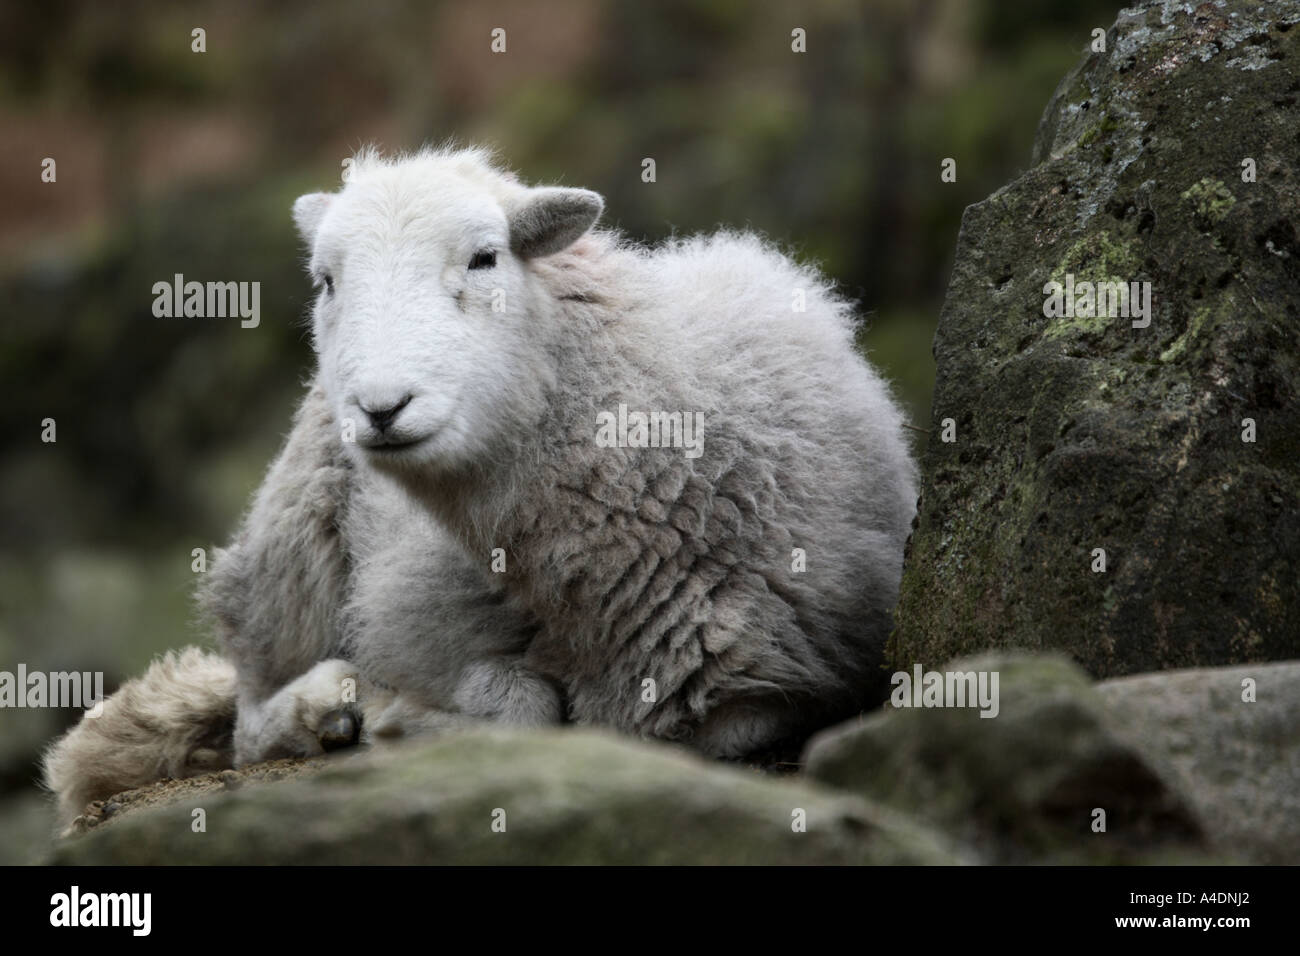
(1172, 451)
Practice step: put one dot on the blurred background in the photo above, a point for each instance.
(173, 161)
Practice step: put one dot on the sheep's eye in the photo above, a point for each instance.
(328, 281)
(483, 259)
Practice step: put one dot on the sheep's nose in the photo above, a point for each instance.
(381, 418)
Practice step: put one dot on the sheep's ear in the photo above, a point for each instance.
(308, 211)
(550, 218)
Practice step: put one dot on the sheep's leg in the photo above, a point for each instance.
(274, 597)
(507, 691)
(332, 706)
(499, 689)
(312, 714)
(740, 728)
(400, 716)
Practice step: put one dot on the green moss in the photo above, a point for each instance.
(1211, 198)
(1079, 325)
(1095, 258)
(1195, 329)
(1103, 256)
(1097, 131)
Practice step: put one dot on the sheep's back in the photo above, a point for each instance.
(687, 571)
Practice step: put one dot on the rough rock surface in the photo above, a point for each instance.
(566, 797)
(1237, 760)
(1186, 768)
(195, 789)
(1023, 786)
(1082, 433)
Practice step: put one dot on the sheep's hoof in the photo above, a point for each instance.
(339, 728)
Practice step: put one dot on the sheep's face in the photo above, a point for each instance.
(426, 322)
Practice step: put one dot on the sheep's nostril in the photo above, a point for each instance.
(381, 418)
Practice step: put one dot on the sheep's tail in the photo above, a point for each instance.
(177, 720)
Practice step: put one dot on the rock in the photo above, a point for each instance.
(194, 789)
(1023, 786)
(1074, 434)
(1238, 761)
(565, 796)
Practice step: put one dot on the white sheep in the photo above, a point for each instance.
(490, 505)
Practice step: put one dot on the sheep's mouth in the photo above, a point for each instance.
(393, 446)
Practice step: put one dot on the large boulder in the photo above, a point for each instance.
(1025, 785)
(503, 796)
(1170, 158)
(1232, 737)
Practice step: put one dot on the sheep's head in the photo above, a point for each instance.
(429, 323)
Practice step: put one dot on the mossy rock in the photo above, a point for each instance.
(1073, 436)
(1025, 784)
(502, 796)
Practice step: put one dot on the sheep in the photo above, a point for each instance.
(544, 474)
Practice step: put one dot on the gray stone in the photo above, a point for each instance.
(1074, 434)
(1238, 762)
(1022, 786)
(568, 797)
